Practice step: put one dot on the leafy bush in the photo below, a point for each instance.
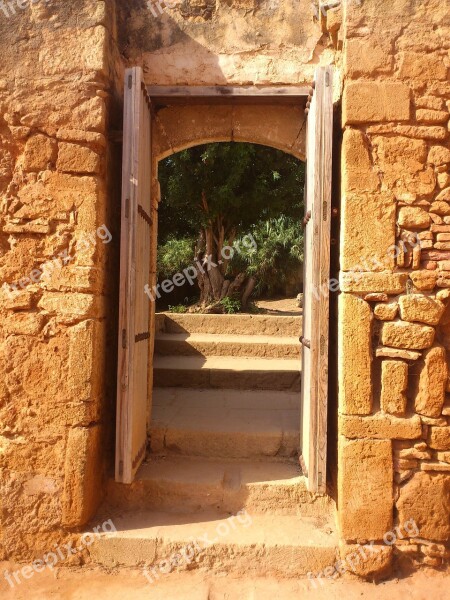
(174, 256)
(179, 308)
(231, 305)
(277, 256)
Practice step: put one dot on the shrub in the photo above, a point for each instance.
(174, 256)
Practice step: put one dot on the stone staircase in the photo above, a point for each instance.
(224, 438)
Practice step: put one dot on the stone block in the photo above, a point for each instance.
(372, 562)
(365, 481)
(413, 217)
(412, 336)
(358, 174)
(355, 356)
(22, 323)
(40, 151)
(367, 56)
(439, 438)
(425, 498)
(425, 115)
(385, 352)
(371, 101)
(380, 426)
(425, 279)
(73, 158)
(440, 208)
(394, 381)
(82, 492)
(423, 66)
(386, 311)
(416, 307)
(71, 306)
(439, 155)
(431, 383)
(385, 282)
(368, 232)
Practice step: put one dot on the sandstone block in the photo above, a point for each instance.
(430, 102)
(374, 563)
(413, 217)
(394, 381)
(40, 150)
(91, 115)
(425, 498)
(366, 102)
(355, 356)
(386, 311)
(365, 482)
(440, 208)
(368, 232)
(439, 438)
(22, 323)
(423, 66)
(71, 306)
(381, 426)
(420, 132)
(358, 174)
(400, 334)
(386, 352)
(82, 493)
(424, 279)
(443, 180)
(366, 56)
(444, 195)
(431, 383)
(20, 300)
(432, 116)
(439, 155)
(77, 159)
(416, 307)
(385, 282)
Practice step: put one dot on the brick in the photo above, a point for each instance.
(366, 102)
(431, 383)
(355, 356)
(411, 336)
(394, 381)
(380, 426)
(416, 307)
(443, 237)
(365, 480)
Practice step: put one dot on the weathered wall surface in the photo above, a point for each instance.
(233, 42)
(394, 423)
(55, 104)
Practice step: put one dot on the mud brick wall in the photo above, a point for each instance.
(55, 159)
(394, 388)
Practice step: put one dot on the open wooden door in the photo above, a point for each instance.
(135, 308)
(316, 281)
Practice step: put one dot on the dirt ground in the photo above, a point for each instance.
(86, 583)
(279, 306)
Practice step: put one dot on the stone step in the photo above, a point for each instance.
(257, 545)
(211, 344)
(181, 484)
(273, 325)
(243, 373)
(224, 423)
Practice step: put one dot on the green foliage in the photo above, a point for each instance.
(231, 305)
(278, 253)
(174, 256)
(179, 308)
(236, 183)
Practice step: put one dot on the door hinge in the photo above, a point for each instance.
(124, 338)
(319, 478)
(305, 342)
(327, 79)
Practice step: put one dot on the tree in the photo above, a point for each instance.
(219, 192)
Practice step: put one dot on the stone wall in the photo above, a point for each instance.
(56, 105)
(394, 390)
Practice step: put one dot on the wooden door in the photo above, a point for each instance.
(316, 281)
(135, 309)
